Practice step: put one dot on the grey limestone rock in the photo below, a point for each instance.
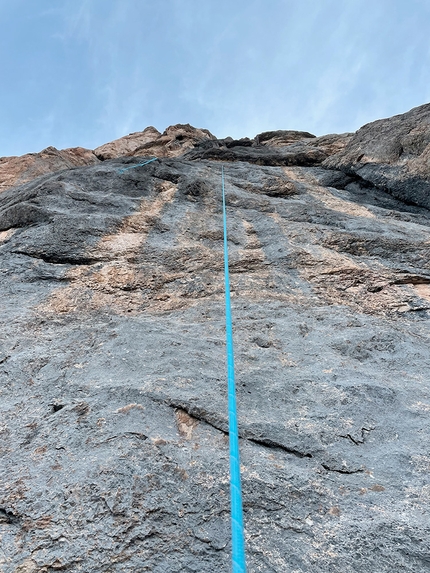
(392, 154)
(113, 406)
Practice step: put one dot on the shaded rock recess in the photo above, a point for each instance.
(113, 407)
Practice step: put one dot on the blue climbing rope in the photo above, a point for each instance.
(137, 165)
(237, 536)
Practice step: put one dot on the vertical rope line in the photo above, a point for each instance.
(237, 537)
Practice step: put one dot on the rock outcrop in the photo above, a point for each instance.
(393, 155)
(127, 145)
(173, 142)
(113, 408)
(19, 170)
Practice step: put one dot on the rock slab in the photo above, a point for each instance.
(113, 406)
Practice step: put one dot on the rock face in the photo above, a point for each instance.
(174, 141)
(18, 170)
(393, 155)
(127, 145)
(113, 406)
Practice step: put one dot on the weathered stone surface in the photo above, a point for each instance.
(113, 407)
(175, 141)
(280, 138)
(274, 148)
(393, 154)
(18, 170)
(127, 145)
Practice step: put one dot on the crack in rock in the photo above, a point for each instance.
(247, 434)
(343, 470)
(354, 440)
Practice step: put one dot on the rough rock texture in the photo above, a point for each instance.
(392, 154)
(127, 145)
(113, 408)
(281, 138)
(18, 170)
(174, 141)
(274, 148)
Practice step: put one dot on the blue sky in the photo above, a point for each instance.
(84, 72)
